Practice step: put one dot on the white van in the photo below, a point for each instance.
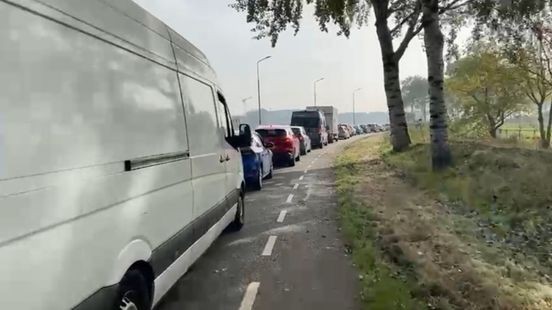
(118, 158)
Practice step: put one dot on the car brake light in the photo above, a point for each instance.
(289, 141)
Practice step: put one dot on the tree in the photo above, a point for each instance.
(415, 94)
(524, 30)
(489, 87)
(393, 17)
(537, 86)
(434, 41)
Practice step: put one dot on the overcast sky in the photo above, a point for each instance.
(287, 78)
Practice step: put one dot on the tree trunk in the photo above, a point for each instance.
(492, 132)
(400, 139)
(549, 127)
(491, 126)
(542, 131)
(434, 45)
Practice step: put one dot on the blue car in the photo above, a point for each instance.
(257, 162)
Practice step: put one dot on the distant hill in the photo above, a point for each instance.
(283, 117)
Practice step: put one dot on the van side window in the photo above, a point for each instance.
(225, 121)
(201, 116)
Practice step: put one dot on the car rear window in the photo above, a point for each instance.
(306, 119)
(296, 131)
(272, 132)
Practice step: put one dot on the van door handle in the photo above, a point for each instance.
(221, 159)
(227, 157)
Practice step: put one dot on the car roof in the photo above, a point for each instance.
(273, 127)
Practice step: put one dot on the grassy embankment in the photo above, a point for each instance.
(476, 236)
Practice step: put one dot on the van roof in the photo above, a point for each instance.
(122, 20)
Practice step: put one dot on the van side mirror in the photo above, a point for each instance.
(244, 138)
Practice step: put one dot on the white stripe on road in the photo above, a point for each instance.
(301, 178)
(282, 216)
(269, 246)
(290, 197)
(250, 295)
(296, 186)
(306, 171)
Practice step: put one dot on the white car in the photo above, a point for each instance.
(118, 158)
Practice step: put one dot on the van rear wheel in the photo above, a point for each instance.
(133, 292)
(239, 220)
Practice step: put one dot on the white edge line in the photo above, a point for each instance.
(290, 198)
(296, 186)
(282, 216)
(250, 295)
(269, 246)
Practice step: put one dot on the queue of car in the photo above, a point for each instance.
(345, 131)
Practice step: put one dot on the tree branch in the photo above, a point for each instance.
(414, 27)
(404, 21)
(453, 6)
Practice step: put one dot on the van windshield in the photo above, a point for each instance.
(271, 133)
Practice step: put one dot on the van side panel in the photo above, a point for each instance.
(207, 154)
(73, 108)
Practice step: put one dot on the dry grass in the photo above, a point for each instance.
(437, 251)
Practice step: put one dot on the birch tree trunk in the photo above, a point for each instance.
(549, 127)
(434, 45)
(400, 139)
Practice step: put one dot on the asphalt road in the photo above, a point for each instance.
(289, 255)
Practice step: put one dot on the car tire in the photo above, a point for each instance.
(239, 220)
(291, 162)
(258, 185)
(298, 158)
(269, 175)
(134, 292)
(304, 152)
(321, 146)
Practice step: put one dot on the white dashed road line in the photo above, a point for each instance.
(250, 295)
(296, 186)
(290, 198)
(301, 178)
(306, 171)
(269, 246)
(282, 216)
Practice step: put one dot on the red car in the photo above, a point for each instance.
(285, 145)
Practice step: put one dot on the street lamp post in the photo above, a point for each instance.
(354, 93)
(319, 80)
(259, 85)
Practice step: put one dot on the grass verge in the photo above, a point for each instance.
(383, 286)
(425, 240)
